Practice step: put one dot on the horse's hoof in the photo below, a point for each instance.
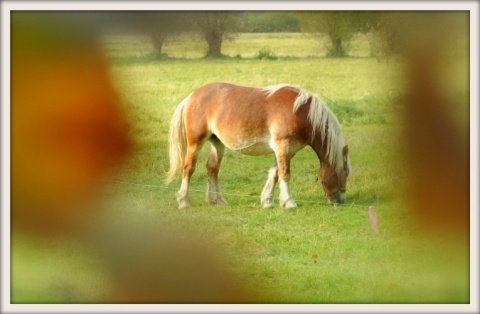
(268, 204)
(216, 201)
(220, 201)
(183, 204)
(289, 204)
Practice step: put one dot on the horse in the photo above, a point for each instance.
(279, 119)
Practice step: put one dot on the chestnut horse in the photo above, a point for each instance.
(280, 119)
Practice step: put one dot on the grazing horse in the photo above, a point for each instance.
(280, 119)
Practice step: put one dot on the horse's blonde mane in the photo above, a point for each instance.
(321, 118)
(272, 89)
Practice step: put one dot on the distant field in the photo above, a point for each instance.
(314, 254)
(245, 45)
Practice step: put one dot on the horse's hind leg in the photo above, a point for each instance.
(267, 194)
(188, 170)
(214, 196)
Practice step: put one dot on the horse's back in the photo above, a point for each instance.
(242, 103)
(229, 104)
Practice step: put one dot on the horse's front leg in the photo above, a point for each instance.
(283, 161)
(267, 194)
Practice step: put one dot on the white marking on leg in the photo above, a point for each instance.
(182, 194)
(214, 195)
(210, 196)
(266, 198)
(286, 199)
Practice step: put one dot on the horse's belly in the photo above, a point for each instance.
(249, 147)
(256, 149)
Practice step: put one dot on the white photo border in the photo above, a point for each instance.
(8, 6)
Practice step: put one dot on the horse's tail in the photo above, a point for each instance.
(177, 141)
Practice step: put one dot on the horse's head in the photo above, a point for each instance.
(334, 179)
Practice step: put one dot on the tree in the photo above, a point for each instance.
(161, 25)
(215, 26)
(339, 26)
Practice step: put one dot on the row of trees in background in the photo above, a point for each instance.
(391, 30)
(339, 26)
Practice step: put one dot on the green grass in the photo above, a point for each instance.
(314, 254)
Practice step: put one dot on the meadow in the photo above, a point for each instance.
(316, 253)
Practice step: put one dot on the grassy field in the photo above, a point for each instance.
(314, 254)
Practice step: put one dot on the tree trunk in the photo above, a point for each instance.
(214, 40)
(337, 47)
(157, 43)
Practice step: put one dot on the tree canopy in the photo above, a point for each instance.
(215, 26)
(339, 26)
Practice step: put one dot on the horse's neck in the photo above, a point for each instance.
(320, 148)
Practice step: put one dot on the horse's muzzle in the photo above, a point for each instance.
(339, 200)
